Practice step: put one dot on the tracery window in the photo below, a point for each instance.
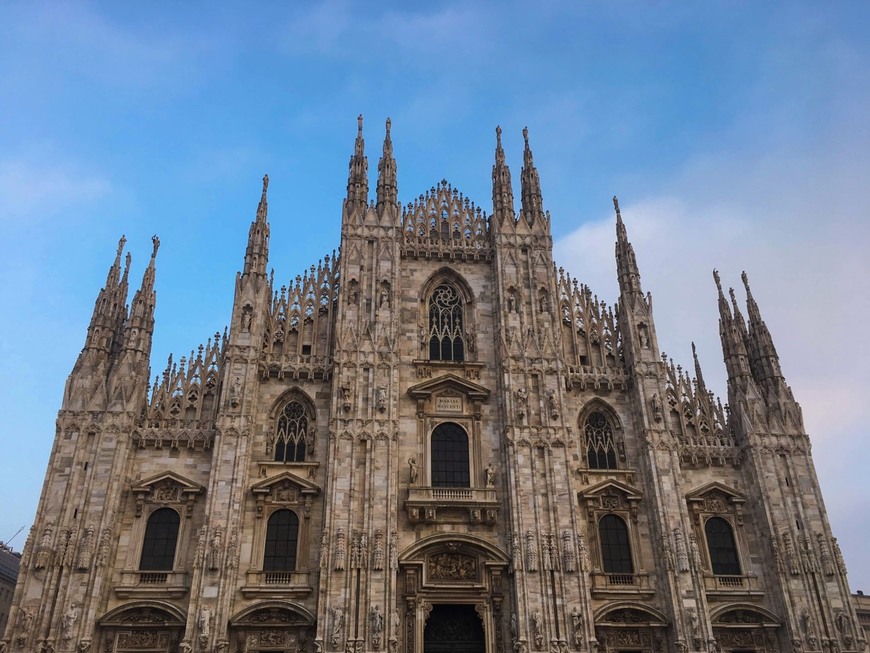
(282, 537)
(161, 538)
(292, 436)
(722, 547)
(615, 546)
(600, 446)
(446, 324)
(450, 456)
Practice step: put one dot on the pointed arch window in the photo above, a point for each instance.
(615, 546)
(450, 456)
(446, 324)
(292, 436)
(161, 538)
(600, 445)
(282, 538)
(722, 547)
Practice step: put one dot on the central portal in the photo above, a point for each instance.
(453, 629)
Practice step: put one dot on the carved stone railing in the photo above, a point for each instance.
(295, 366)
(597, 377)
(452, 504)
(732, 585)
(283, 583)
(607, 584)
(134, 583)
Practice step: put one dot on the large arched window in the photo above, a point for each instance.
(446, 324)
(600, 447)
(282, 536)
(161, 537)
(615, 547)
(722, 548)
(292, 436)
(450, 456)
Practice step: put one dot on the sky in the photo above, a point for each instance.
(736, 135)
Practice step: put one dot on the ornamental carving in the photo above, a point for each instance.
(451, 566)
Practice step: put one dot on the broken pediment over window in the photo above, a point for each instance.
(448, 394)
(166, 489)
(285, 489)
(611, 496)
(715, 498)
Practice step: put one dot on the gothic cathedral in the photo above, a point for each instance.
(434, 442)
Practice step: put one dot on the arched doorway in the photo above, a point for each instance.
(453, 628)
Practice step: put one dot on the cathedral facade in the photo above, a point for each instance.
(435, 441)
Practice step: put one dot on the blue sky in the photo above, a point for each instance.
(736, 135)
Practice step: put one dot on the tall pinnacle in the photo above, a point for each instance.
(763, 357)
(502, 193)
(531, 185)
(626, 264)
(699, 377)
(357, 178)
(733, 341)
(257, 251)
(387, 183)
(140, 324)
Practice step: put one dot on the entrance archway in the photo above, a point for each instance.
(453, 628)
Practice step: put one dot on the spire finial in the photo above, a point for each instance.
(526, 136)
(717, 280)
(389, 124)
(498, 135)
(265, 183)
(121, 243)
(745, 278)
(155, 244)
(616, 208)
(359, 120)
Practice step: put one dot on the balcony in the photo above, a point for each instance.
(138, 584)
(277, 583)
(731, 586)
(608, 585)
(452, 504)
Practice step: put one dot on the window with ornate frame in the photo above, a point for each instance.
(449, 456)
(615, 545)
(722, 547)
(447, 324)
(601, 450)
(282, 539)
(292, 434)
(160, 541)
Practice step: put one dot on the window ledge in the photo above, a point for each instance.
(277, 583)
(137, 584)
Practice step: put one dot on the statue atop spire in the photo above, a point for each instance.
(257, 251)
(387, 191)
(531, 185)
(357, 178)
(626, 264)
(502, 193)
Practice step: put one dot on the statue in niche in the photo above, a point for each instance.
(414, 470)
(68, 621)
(643, 335)
(214, 549)
(247, 318)
(514, 627)
(204, 624)
(512, 303)
(522, 398)
(552, 404)
(236, 392)
(337, 624)
(489, 475)
(377, 621)
(657, 407)
(577, 625)
(538, 620)
(382, 398)
(384, 300)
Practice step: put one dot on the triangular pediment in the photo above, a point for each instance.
(612, 486)
(267, 484)
(703, 492)
(449, 383)
(187, 486)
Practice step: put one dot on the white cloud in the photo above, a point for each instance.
(36, 191)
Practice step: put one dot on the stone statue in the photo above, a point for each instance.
(522, 397)
(489, 474)
(514, 627)
(414, 471)
(382, 398)
(538, 620)
(236, 392)
(337, 624)
(204, 624)
(377, 621)
(577, 624)
(214, 549)
(68, 621)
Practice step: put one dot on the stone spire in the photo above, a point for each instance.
(110, 308)
(387, 183)
(357, 178)
(502, 193)
(531, 185)
(140, 324)
(626, 264)
(699, 377)
(731, 333)
(257, 252)
(763, 358)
